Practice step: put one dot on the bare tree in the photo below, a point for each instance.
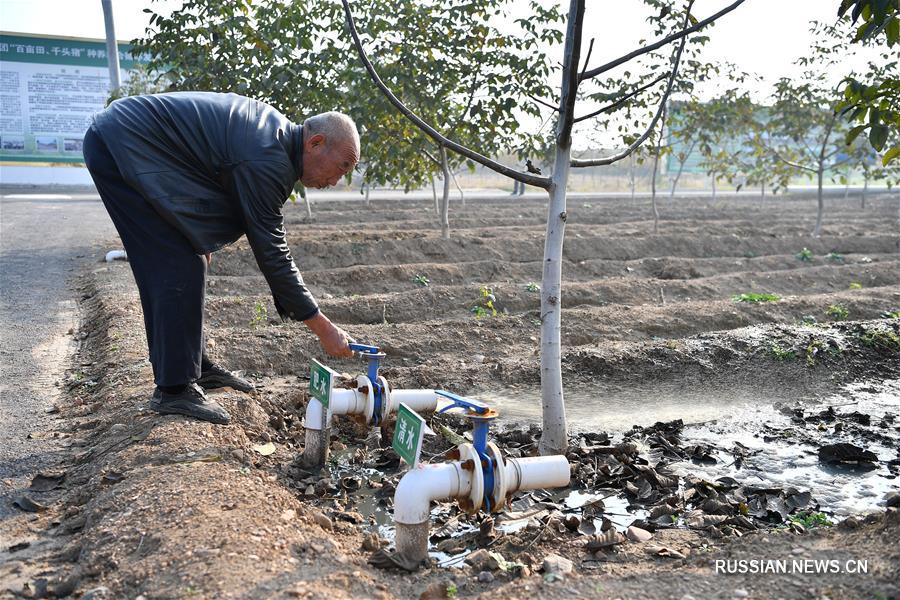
(554, 438)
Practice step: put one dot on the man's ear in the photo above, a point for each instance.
(316, 140)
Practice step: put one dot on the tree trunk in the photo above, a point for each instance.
(445, 198)
(680, 169)
(653, 195)
(865, 189)
(306, 202)
(368, 187)
(714, 186)
(437, 207)
(662, 125)
(554, 439)
(821, 205)
(462, 196)
(763, 189)
(631, 174)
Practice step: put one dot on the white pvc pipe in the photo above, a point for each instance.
(536, 472)
(418, 400)
(348, 402)
(420, 486)
(417, 489)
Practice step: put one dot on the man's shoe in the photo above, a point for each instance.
(191, 402)
(219, 377)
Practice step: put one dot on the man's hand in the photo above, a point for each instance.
(208, 259)
(334, 340)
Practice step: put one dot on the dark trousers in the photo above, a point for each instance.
(170, 275)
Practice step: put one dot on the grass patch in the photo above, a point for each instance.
(805, 255)
(838, 312)
(421, 280)
(756, 298)
(782, 354)
(880, 340)
(485, 307)
(532, 287)
(835, 257)
(260, 314)
(810, 519)
(855, 285)
(891, 314)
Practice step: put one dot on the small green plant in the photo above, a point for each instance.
(749, 254)
(880, 340)
(838, 312)
(532, 287)
(782, 354)
(808, 320)
(452, 590)
(811, 519)
(805, 255)
(812, 351)
(485, 307)
(421, 280)
(260, 314)
(756, 298)
(834, 256)
(891, 314)
(855, 285)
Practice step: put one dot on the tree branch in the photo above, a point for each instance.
(621, 101)
(659, 44)
(587, 59)
(569, 86)
(596, 162)
(791, 163)
(530, 179)
(542, 102)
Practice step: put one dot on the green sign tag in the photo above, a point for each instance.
(408, 435)
(321, 378)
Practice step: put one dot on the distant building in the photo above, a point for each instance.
(49, 88)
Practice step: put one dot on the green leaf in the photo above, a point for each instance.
(854, 133)
(890, 155)
(878, 136)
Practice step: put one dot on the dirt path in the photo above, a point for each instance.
(44, 237)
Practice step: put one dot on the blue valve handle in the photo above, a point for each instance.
(364, 349)
(460, 402)
(481, 425)
(374, 356)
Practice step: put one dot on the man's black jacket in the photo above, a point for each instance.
(215, 166)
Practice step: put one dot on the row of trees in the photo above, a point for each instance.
(441, 85)
(804, 129)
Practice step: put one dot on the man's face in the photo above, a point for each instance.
(325, 164)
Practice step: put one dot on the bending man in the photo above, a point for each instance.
(185, 174)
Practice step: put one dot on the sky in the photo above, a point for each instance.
(760, 36)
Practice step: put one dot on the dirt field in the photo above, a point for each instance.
(166, 507)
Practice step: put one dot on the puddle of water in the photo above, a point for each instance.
(723, 417)
(617, 410)
(782, 463)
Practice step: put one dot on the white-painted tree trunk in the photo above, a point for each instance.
(554, 439)
(631, 170)
(714, 186)
(368, 189)
(821, 203)
(437, 207)
(462, 196)
(763, 189)
(445, 196)
(864, 191)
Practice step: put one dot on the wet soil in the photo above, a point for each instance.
(166, 507)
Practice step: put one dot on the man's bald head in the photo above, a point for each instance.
(330, 149)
